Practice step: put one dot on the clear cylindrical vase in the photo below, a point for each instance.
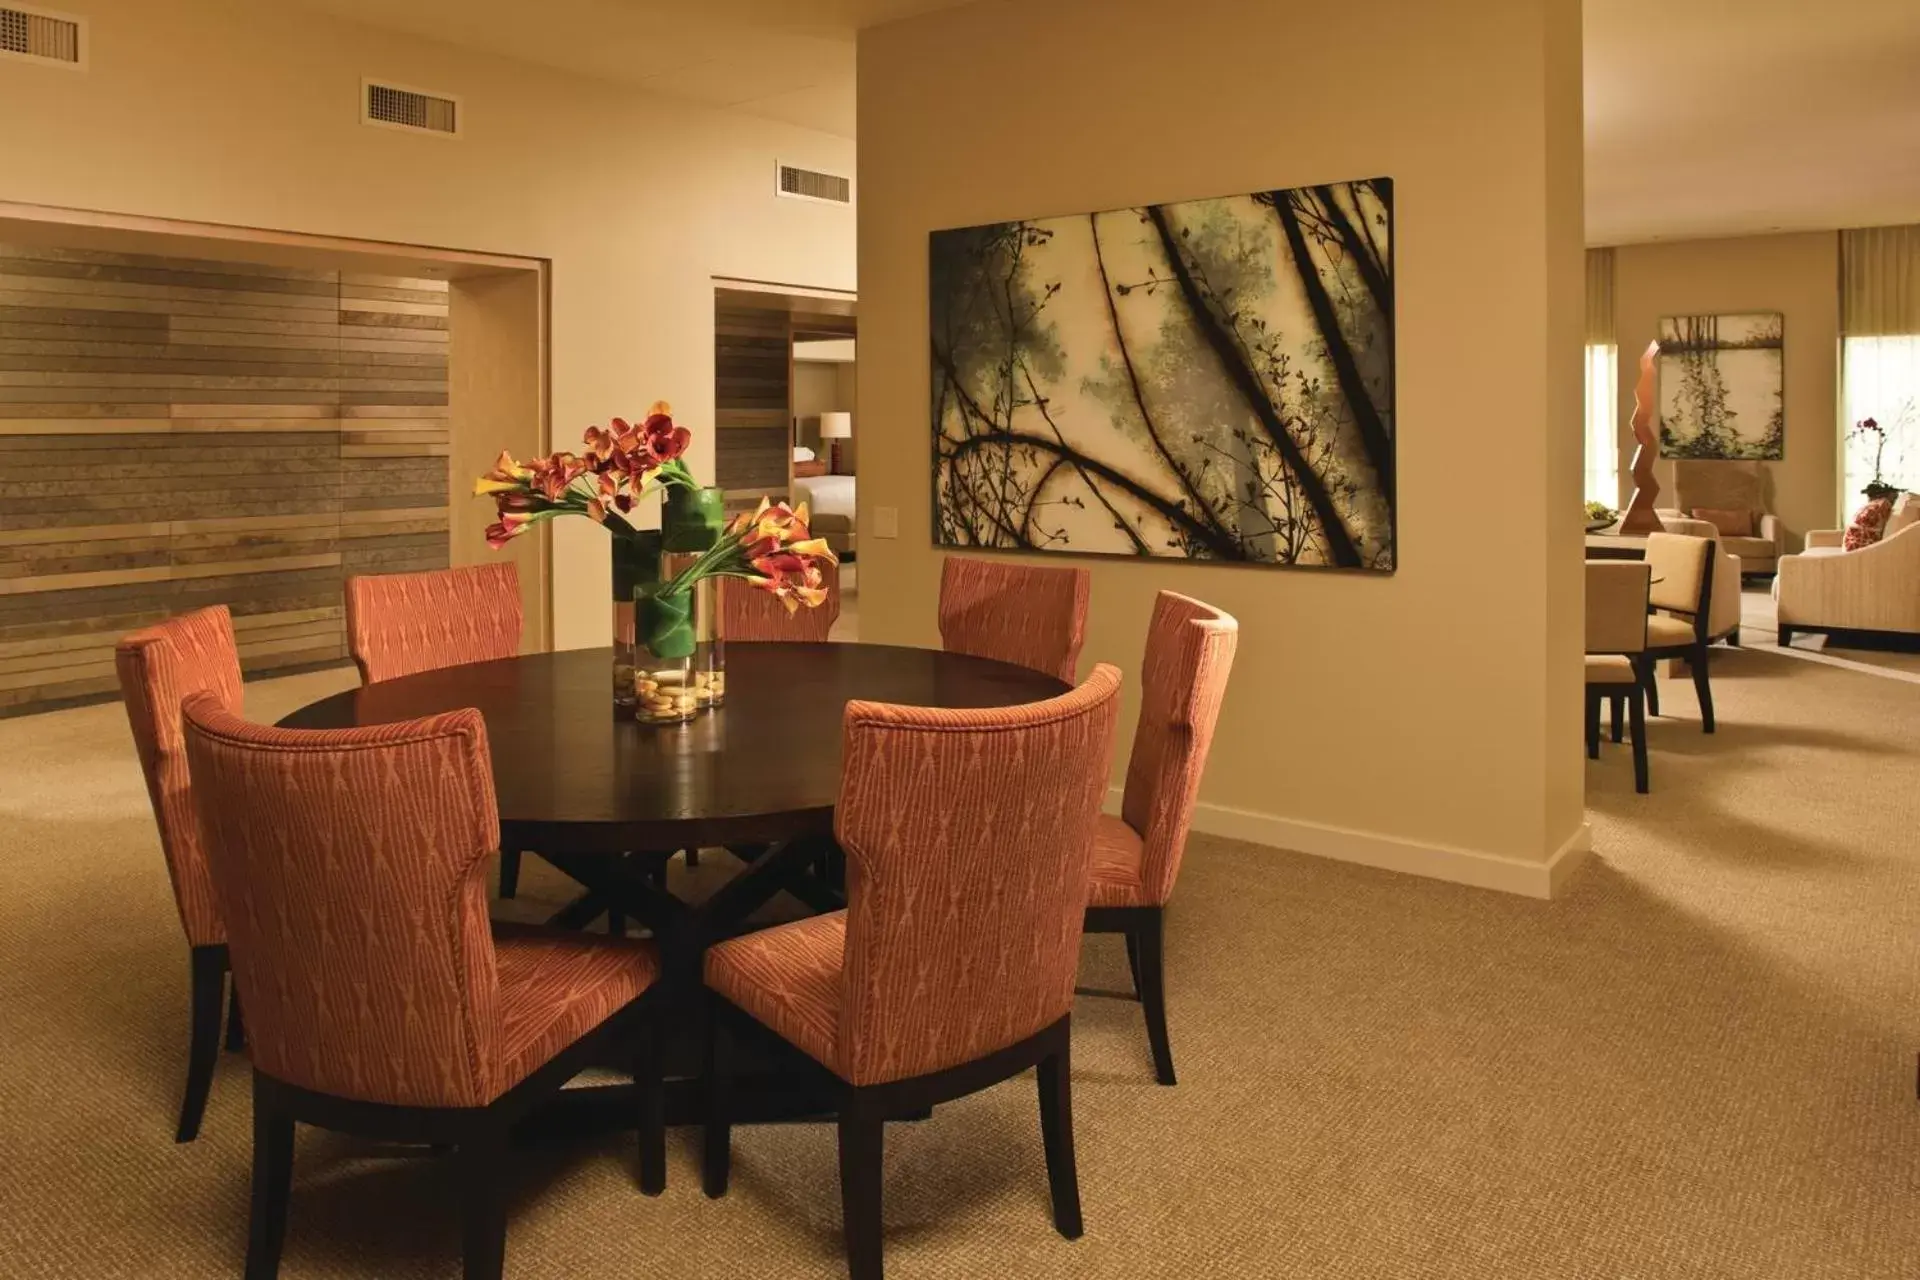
(692, 521)
(663, 656)
(636, 561)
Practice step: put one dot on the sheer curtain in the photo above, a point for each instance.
(1603, 383)
(1880, 356)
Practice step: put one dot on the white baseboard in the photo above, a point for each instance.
(1392, 853)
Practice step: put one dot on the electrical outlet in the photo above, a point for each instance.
(886, 522)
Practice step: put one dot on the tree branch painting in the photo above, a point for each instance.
(1206, 380)
(1721, 389)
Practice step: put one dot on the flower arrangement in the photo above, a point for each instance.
(620, 463)
(771, 548)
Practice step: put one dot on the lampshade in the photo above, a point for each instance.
(836, 426)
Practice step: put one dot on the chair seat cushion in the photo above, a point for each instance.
(557, 986)
(1117, 854)
(788, 979)
(1665, 631)
(1610, 668)
(1749, 548)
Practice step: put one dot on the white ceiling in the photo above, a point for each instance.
(1704, 117)
(1723, 117)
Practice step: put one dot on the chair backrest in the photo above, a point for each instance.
(1033, 617)
(1617, 598)
(400, 623)
(1183, 678)
(968, 835)
(748, 613)
(160, 668)
(1906, 512)
(1718, 485)
(351, 867)
(1682, 572)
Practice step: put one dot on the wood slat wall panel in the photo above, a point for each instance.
(753, 355)
(181, 432)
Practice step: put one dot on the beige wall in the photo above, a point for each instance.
(1428, 719)
(242, 114)
(1798, 275)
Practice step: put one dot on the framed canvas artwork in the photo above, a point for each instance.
(1207, 380)
(1721, 390)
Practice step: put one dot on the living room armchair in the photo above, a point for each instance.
(1876, 588)
(1729, 495)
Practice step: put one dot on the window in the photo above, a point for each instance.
(1603, 430)
(1880, 377)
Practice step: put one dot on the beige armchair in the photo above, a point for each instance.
(1705, 485)
(1876, 588)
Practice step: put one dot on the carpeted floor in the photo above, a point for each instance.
(1698, 1064)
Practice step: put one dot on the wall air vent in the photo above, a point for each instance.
(392, 107)
(56, 39)
(810, 184)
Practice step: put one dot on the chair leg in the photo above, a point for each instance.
(209, 970)
(1593, 725)
(236, 1030)
(272, 1183)
(1702, 687)
(862, 1145)
(648, 1071)
(616, 923)
(1637, 705)
(1733, 638)
(716, 1162)
(693, 857)
(1133, 961)
(509, 873)
(1651, 676)
(1617, 714)
(1785, 638)
(1056, 1131)
(1153, 994)
(483, 1203)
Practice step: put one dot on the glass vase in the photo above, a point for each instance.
(663, 655)
(691, 521)
(636, 562)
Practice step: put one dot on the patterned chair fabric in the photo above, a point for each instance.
(1033, 617)
(401, 623)
(748, 613)
(351, 865)
(1189, 655)
(160, 668)
(968, 835)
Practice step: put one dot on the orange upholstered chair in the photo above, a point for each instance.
(402, 623)
(967, 835)
(1137, 855)
(748, 613)
(1017, 613)
(159, 669)
(350, 865)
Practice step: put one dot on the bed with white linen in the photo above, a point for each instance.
(830, 504)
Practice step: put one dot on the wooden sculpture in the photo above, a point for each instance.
(1640, 517)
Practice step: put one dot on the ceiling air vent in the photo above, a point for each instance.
(54, 38)
(810, 184)
(392, 107)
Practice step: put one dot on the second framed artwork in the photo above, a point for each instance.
(1207, 380)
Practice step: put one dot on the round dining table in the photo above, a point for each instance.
(609, 800)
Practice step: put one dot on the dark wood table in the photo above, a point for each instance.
(608, 800)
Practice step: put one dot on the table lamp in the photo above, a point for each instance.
(835, 427)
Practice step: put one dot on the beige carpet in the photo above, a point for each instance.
(1698, 1064)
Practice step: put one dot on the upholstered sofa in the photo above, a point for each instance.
(1701, 485)
(1877, 588)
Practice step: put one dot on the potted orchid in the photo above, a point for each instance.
(668, 653)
